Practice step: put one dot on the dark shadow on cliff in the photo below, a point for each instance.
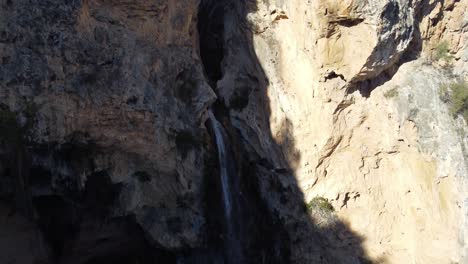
(276, 226)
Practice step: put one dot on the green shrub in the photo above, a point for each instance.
(320, 203)
(442, 52)
(142, 176)
(11, 131)
(444, 93)
(240, 98)
(456, 95)
(186, 140)
(391, 93)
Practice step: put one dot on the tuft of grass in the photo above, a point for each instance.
(320, 203)
(442, 52)
(391, 93)
(456, 96)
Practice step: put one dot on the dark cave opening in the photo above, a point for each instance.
(77, 223)
(211, 38)
(81, 229)
(56, 221)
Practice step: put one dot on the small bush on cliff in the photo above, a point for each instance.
(391, 93)
(442, 52)
(240, 98)
(142, 176)
(444, 93)
(320, 203)
(456, 95)
(186, 140)
(12, 131)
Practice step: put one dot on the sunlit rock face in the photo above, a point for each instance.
(356, 85)
(103, 106)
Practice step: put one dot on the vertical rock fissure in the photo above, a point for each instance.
(211, 36)
(250, 232)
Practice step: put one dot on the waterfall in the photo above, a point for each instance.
(228, 175)
(223, 165)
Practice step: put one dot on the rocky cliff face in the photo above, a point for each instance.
(118, 93)
(106, 156)
(356, 84)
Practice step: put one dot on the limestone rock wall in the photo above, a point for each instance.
(394, 164)
(338, 99)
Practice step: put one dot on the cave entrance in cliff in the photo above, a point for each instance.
(79, 227)
(211, 38)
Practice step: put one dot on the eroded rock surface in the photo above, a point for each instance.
(103, 104)
(392, 163)
(117, 90)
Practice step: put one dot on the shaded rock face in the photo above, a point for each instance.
(111, 161)
(117, 94)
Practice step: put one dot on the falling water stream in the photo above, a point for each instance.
(211, 29)
(223, 165)
(227, 175)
